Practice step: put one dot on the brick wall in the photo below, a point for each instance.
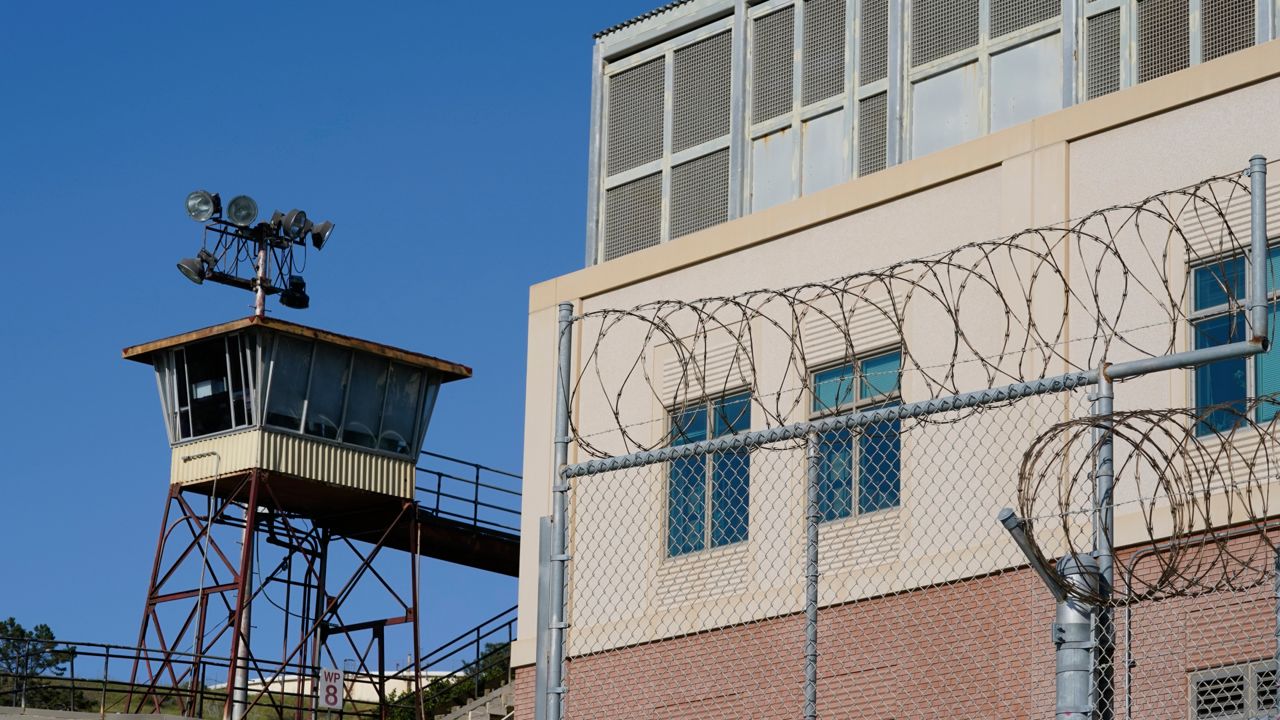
(978, 648)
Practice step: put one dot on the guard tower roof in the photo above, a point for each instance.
(449, 371)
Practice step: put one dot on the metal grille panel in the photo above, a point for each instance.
(1220, 697)
(700, 193)
(1228, 26)
(824, 55)
(634, 134)
(941, 28)
(1102, 54)
(633, 216)
(873, 50)
(1164, 37)
(700, 106)
(1010, 15)
(872, 134)
(772, 65)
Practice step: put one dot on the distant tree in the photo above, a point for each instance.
(31, 666)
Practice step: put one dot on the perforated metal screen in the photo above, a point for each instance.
(634, 134)
(700, 103)
(872, 130)
(772, 65)
(873, 49)
(633, 216)
(1227, 26)
(942, 27)
(1010, 15)
(700, 193)
(1102, 54)
(824, 56)
(1164, 37)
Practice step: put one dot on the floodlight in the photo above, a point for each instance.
(202, 205)
(242, 210)
(293, 223)
(192, 269)
(320, 234)
(295, 296)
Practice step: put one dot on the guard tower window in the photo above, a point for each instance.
(208, 386)
(351, 397)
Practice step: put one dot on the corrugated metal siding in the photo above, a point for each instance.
(338, 465)
(235, 452)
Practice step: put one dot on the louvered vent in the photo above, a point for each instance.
(1164, 32)
(873, 51)
(633, 216)
(700, 105)
(1265, 689)
(823, 49)
(1102, 54)
(634, 133)
(872, 134)
(942, 27)
(1010, 15)
(1219, 697)
(1228, 26)
(772, 65)
(700, 193)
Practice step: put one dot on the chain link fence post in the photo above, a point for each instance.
(812, 518)
(559, 515)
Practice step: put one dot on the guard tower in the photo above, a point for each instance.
(292, 473)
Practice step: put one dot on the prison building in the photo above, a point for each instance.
(739, 146)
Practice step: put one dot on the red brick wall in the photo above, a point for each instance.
(524, 692)
(979, 648)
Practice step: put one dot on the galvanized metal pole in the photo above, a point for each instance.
(1073, 639)
(1258, 310)
(811, 583)
(559, 516)
(1104, 545)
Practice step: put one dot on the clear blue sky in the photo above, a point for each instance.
(447, 141)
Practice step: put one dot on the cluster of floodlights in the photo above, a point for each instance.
(239, 239)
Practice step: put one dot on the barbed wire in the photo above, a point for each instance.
(980, 315)
(1199, 483)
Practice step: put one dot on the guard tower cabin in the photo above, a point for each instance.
(334, 423)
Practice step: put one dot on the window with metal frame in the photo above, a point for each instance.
(350, 397)
(210, 386)
(708, 496)
(1234, 692)
(859, 472)
(1218, 318)
(811, 127)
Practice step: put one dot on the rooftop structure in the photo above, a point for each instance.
(708, 110)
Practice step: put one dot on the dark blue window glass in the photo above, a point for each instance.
(722, 477)
(687, 486)
(880, 466)
(835, 475)
(1222, 382)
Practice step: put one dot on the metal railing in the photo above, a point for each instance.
(94, 677)
(471, 493)
(480, 658)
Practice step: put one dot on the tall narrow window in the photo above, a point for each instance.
(1218, 291)
(859, 472)
(708, 496)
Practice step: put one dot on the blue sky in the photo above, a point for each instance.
(447, 141)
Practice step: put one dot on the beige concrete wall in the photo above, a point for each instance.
(1186, 126)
